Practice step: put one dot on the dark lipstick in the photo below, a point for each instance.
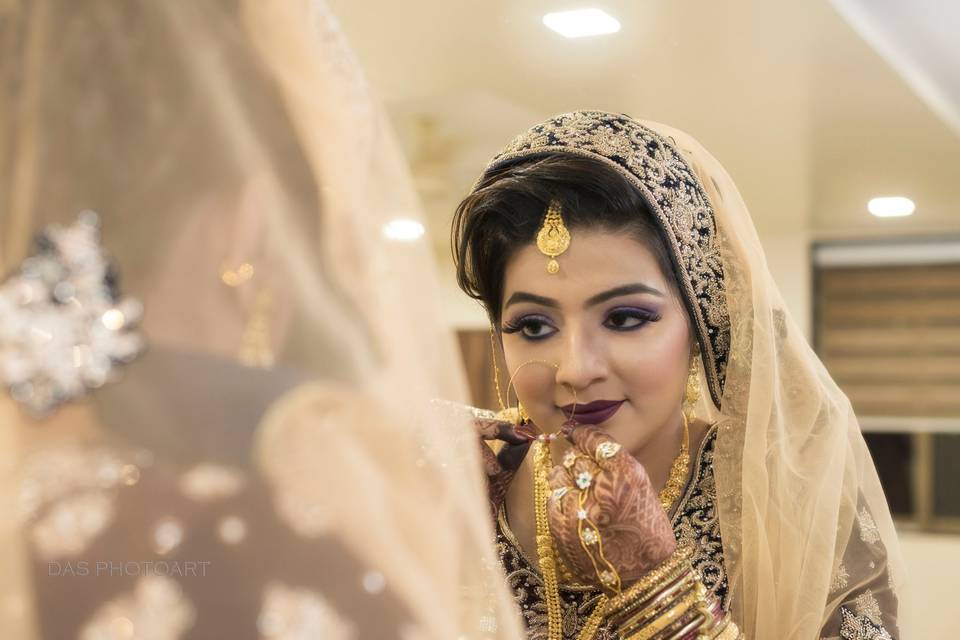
(594, 412)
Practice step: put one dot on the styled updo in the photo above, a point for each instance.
(506, 210)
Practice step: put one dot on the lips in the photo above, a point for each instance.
(593, 412)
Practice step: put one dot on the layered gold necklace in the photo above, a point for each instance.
(546, 548)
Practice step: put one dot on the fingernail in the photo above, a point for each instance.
(526, 432)
(568, 426)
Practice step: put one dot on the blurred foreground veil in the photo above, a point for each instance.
(268, 466)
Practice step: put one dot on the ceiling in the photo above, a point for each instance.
(808, 117)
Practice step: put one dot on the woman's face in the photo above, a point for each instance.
(613, 327)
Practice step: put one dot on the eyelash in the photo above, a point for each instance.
(642, 315)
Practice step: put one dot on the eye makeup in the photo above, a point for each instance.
(621, 319)
(529, 327)
(629, 318)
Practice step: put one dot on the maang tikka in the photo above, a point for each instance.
(553, 237)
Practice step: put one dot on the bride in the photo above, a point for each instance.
(693, 467)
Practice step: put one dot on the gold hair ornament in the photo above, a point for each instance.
(553, 237)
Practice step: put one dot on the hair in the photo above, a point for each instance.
(506, 210)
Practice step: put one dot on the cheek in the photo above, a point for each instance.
(655, 371)
(533, 383)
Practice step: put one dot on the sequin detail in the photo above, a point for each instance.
(63, 325)
(869, 532)
(854, 627)
(866, 605)
(840, 579)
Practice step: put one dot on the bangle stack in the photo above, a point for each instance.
(670, 603)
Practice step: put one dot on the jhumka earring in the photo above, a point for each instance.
(681, 464)
(256, 349)
(553, 237)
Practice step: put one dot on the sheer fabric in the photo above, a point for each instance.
(277, 426)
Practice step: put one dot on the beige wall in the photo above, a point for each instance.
(933, 565)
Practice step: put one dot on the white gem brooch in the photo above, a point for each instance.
(63, 325)
(584, 478)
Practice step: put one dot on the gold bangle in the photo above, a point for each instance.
(693, 624)
(650, 608)
(648, 631)
(684, 577)
(664, 572)
(707, 625)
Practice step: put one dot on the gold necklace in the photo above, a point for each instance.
(546, 550)
(678, 470)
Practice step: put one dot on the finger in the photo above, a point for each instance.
(511, 456)
(491, 466)
(561, 491)
(493, 429)
(594, 443)
(584, 472)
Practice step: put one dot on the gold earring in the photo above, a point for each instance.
(256, 348)
(496, 371)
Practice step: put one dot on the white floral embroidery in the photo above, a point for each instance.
(67, 494)
(300, 614)
(869, 532)
(866, 605)
(71, 524)
(839, 579)
(157, 609)
(853, 627)
(208, 482)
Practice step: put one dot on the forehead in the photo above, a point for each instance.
(596, 261)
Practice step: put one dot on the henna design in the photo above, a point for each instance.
(500, 467)
(620, 500)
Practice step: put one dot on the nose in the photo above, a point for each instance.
(582, 361)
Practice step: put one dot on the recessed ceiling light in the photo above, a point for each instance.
(403, 229)
(581, 23)
(894, 207)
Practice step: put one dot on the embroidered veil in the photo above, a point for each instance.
(251, 458)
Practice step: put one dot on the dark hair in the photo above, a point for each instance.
(506, 210)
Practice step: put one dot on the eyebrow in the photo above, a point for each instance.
(603, 296)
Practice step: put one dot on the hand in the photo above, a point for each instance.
(620, 504)
(500, 467)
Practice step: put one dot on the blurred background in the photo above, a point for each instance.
(839, 122)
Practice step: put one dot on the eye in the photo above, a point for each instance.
(530, 327)
(629, 319)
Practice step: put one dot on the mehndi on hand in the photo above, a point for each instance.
(605, 516)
